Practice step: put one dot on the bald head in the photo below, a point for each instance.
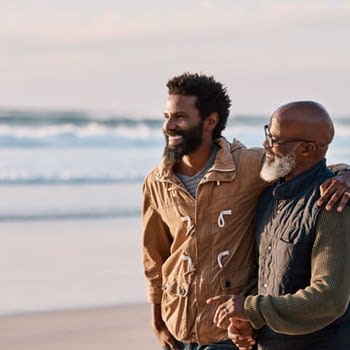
(305, 120)
(299, 135)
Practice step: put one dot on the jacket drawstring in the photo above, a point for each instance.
(220, 256)
(189, 261)
(189, 223)
(221, 221)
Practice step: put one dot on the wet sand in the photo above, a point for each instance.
(120, 327)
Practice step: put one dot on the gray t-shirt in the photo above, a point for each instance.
(191, 182)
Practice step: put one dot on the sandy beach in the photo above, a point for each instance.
(76, 267)
(119, 327)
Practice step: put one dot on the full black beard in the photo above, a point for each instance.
(192, 139)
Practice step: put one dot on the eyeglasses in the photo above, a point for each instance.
(271, 142)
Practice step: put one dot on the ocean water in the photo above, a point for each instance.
(77, 148)
(70, 185)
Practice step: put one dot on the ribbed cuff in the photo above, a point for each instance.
(251, 309)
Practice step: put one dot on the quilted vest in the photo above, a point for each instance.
(286, 217)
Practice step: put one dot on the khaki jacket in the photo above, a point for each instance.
(194, 249)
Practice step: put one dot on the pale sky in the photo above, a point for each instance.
(111, 55)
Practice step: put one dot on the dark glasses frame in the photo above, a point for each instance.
(271, 141)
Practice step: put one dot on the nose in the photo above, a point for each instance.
(266, 144)
(169, 124)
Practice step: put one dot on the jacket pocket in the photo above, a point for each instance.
(233, 281)
(175, 306)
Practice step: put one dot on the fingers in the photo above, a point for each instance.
(220, 314)
(332, 201)
(241, 333)
(233, 306)
(343, 201)
(242, 342)
(222, 311)
(233, 327)
(223, 319)
(324, 187)
(331, 191)
(243, 328)
(217, 299)
(171, 342)
(327, 191)
(335, 192)
(166, 339)
(171, 345)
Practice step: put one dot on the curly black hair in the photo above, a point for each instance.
(211, 96)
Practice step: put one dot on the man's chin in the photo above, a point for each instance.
(173, 153)
(276, 168)
(268, 175)
(270, 171)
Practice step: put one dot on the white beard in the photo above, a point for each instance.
(280, 167)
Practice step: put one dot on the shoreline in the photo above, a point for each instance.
(104, 328)
(65, 265)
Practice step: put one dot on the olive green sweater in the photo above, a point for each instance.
(327, 296)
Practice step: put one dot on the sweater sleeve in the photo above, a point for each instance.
(327, 296)
(156, 248)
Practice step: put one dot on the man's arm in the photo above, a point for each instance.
(160, 330)
(335, 192)
(309, 309)
(326, 298)
(156, 249)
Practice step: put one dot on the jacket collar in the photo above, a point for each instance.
(222, 169)
(290, 189)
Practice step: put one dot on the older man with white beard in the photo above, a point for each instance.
(304, 251)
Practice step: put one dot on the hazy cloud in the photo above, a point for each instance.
(103, 53)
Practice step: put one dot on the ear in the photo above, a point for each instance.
(212, 121)
(308, 149)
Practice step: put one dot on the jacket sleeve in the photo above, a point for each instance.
(337, 168)
(327, 296)
(156, 248)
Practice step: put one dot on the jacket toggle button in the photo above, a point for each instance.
(227, 284)
(221, 220)
(182, 291)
